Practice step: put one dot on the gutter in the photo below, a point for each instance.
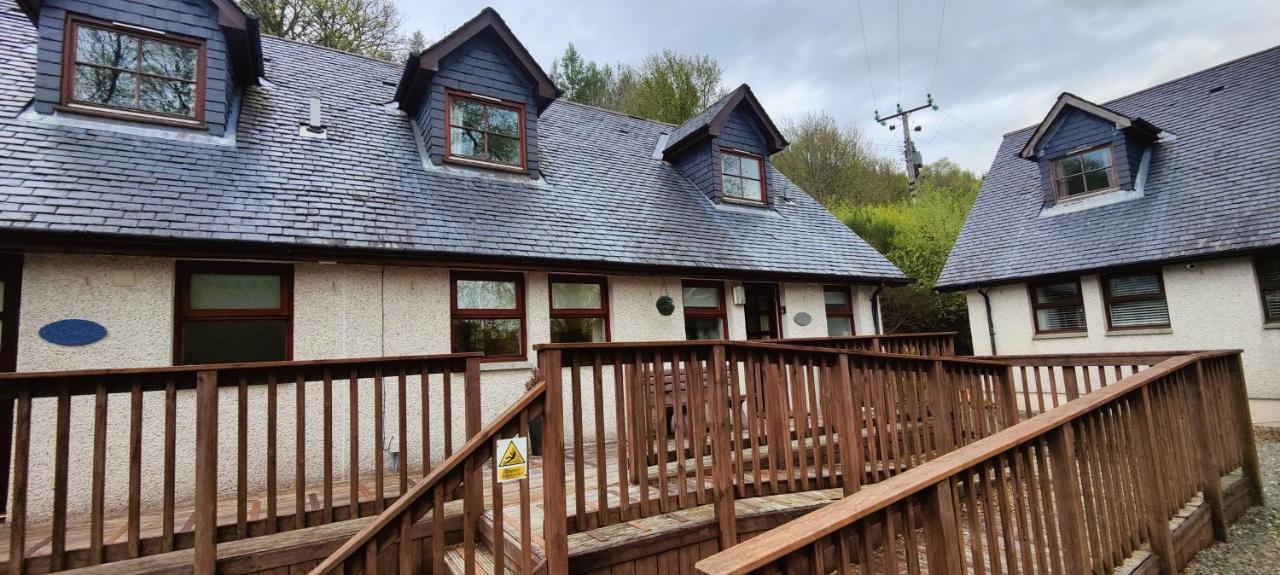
(991, 324)
(875, 308)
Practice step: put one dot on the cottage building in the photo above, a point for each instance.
(1151, 222)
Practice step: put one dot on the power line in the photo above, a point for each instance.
(899, 35)
(937, 56)
(866, 53)
(984, 132)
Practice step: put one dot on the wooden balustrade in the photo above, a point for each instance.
(936, 344)
(1044, 382)
(1076, 489)
(135, 427)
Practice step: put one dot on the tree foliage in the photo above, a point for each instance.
(667, 86)
(835, 165)
(367, 27)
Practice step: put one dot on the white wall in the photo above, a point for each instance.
(1213, 305)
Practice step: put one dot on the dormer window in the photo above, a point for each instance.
(123, 71)
(1084, 173)
(742, 175)
(485, 131)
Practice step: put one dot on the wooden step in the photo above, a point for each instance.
(455, 561)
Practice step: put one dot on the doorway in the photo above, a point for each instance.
(10, 286)
(761, 311)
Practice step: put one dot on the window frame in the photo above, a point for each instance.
(848, 311)
(1263, 288)
(602, 312)
(764, 191)
(1108, 299)
(66, 97)
(1112, 174)
(449, 96)
(183, 271)
(516, 313)
(1036, 306)
(717, 312)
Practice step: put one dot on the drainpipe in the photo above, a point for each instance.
(875, 307)
(991, 324)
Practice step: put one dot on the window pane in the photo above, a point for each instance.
(227, 341)
(467, 114)
(703, 328)
(1269, 273)
(1098, 180)
(1069, 166)
(1147, 284)
(731, 164)
(495, 337)
(836, 299)
(504, 150)
(1271, 301)
(751, 190)
(1058, 293)
(1096, 160)
(103, 86)
(486, 294)
(1072, 186)
(171, 60)
(1061, 319)
(839, 326)
(168, 96)
(106, 48)
(504, 121)
(750, 168)
(701, 297)
(235, 291)
(577, 329)
(576, 296)
(466, 143)
(1139, 313)
(733, 187)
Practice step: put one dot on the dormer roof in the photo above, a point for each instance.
(708, 123)
(1121, 121)
(420, 68)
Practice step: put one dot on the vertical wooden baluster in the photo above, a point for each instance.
(371, 558)
(402, 388)
(942, 539)
(738, 411)
(722, 473)
(379, 424)
(206, 511)
(679, 417)
(786, 409)
(989, 516)
(473, 467)
(437, 527)
(1031, 500)
(800, 418)
(446, 398)
(242, 456)
(98, 497)
(641, 436)
(1243, 421)
(602, 464)
(942, 418)
(1067, 495)
(404, 550)
(21, 466)
(620, 415)
(1206, 449)
(170, 461)
(328, 447)
(135, 469)
(424, 394)
(300, 450)
(697, 381)
(579, 454)
(751, 373)
(353, 399)
(850, 436)
(971, 517)
(660, 429)
(553, 493)
(62, 444)
(526, 521)
(1040, 391)
(271, 451)
(1009, 513)
(499, 528)
(1157, 490)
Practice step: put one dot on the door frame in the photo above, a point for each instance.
(777, 305)
(11, 274)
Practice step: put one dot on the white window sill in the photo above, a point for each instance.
(506, 366)
(1066, 335)
(1271, 325)
(1140, 331)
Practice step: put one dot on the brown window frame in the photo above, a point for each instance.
(67, 99)
(764, 191)
(1263, 288)
(1108, 299)
(516, 313)
(601, 312)
(10, 314)
(1036, 306)
(1112, 174)
(449, 97)
(718, 312)
(184, 313)
(847, 311)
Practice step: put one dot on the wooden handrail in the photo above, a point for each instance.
(773, 545)
(714, 342)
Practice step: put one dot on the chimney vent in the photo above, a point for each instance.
(314, 126)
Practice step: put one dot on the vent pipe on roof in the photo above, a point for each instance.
(314, 126)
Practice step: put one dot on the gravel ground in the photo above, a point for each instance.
(1255, 538)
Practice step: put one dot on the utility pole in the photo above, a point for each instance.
(909, 151)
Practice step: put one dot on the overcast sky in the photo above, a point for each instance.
(1000, 66)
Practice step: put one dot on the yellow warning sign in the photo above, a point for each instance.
(513, 461)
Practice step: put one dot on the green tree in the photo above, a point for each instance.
(671, 87)
(835, 165)
(417, 42)
(367, 27)
(582, 81)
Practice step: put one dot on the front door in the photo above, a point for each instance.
(761, 311)
(10, 282)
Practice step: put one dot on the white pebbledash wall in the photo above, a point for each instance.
(1213, 304)
(340, 311)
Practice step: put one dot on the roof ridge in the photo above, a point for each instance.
(563, 100)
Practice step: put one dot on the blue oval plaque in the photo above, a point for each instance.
(71, 332)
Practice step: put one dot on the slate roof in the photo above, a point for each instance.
(699, 120)
(1214, 189)
(604, 199)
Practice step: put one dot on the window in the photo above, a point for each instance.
(742, 176)
(485, 131)
(1058, 306)
(1135, 300)
(109, 69)
(1084, 173)
(488, 314)
(233, 312)
(839, 302)
(1269, 283)
(704, 314)
(579, 309)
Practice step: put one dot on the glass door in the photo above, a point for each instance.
(761, 311)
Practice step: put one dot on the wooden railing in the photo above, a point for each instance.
(280, 420)
(1076, 489)
(935, 344)
(1044, 382)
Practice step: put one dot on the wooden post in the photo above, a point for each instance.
(1211, 485)
(206, 512)
(723, 447)
(943, 427)
(1009, 402)
(473, 470)
(1157, 517)
(942, 538)
(1248, 447)
(1067, 499)
(555, 507)
(851, 463)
